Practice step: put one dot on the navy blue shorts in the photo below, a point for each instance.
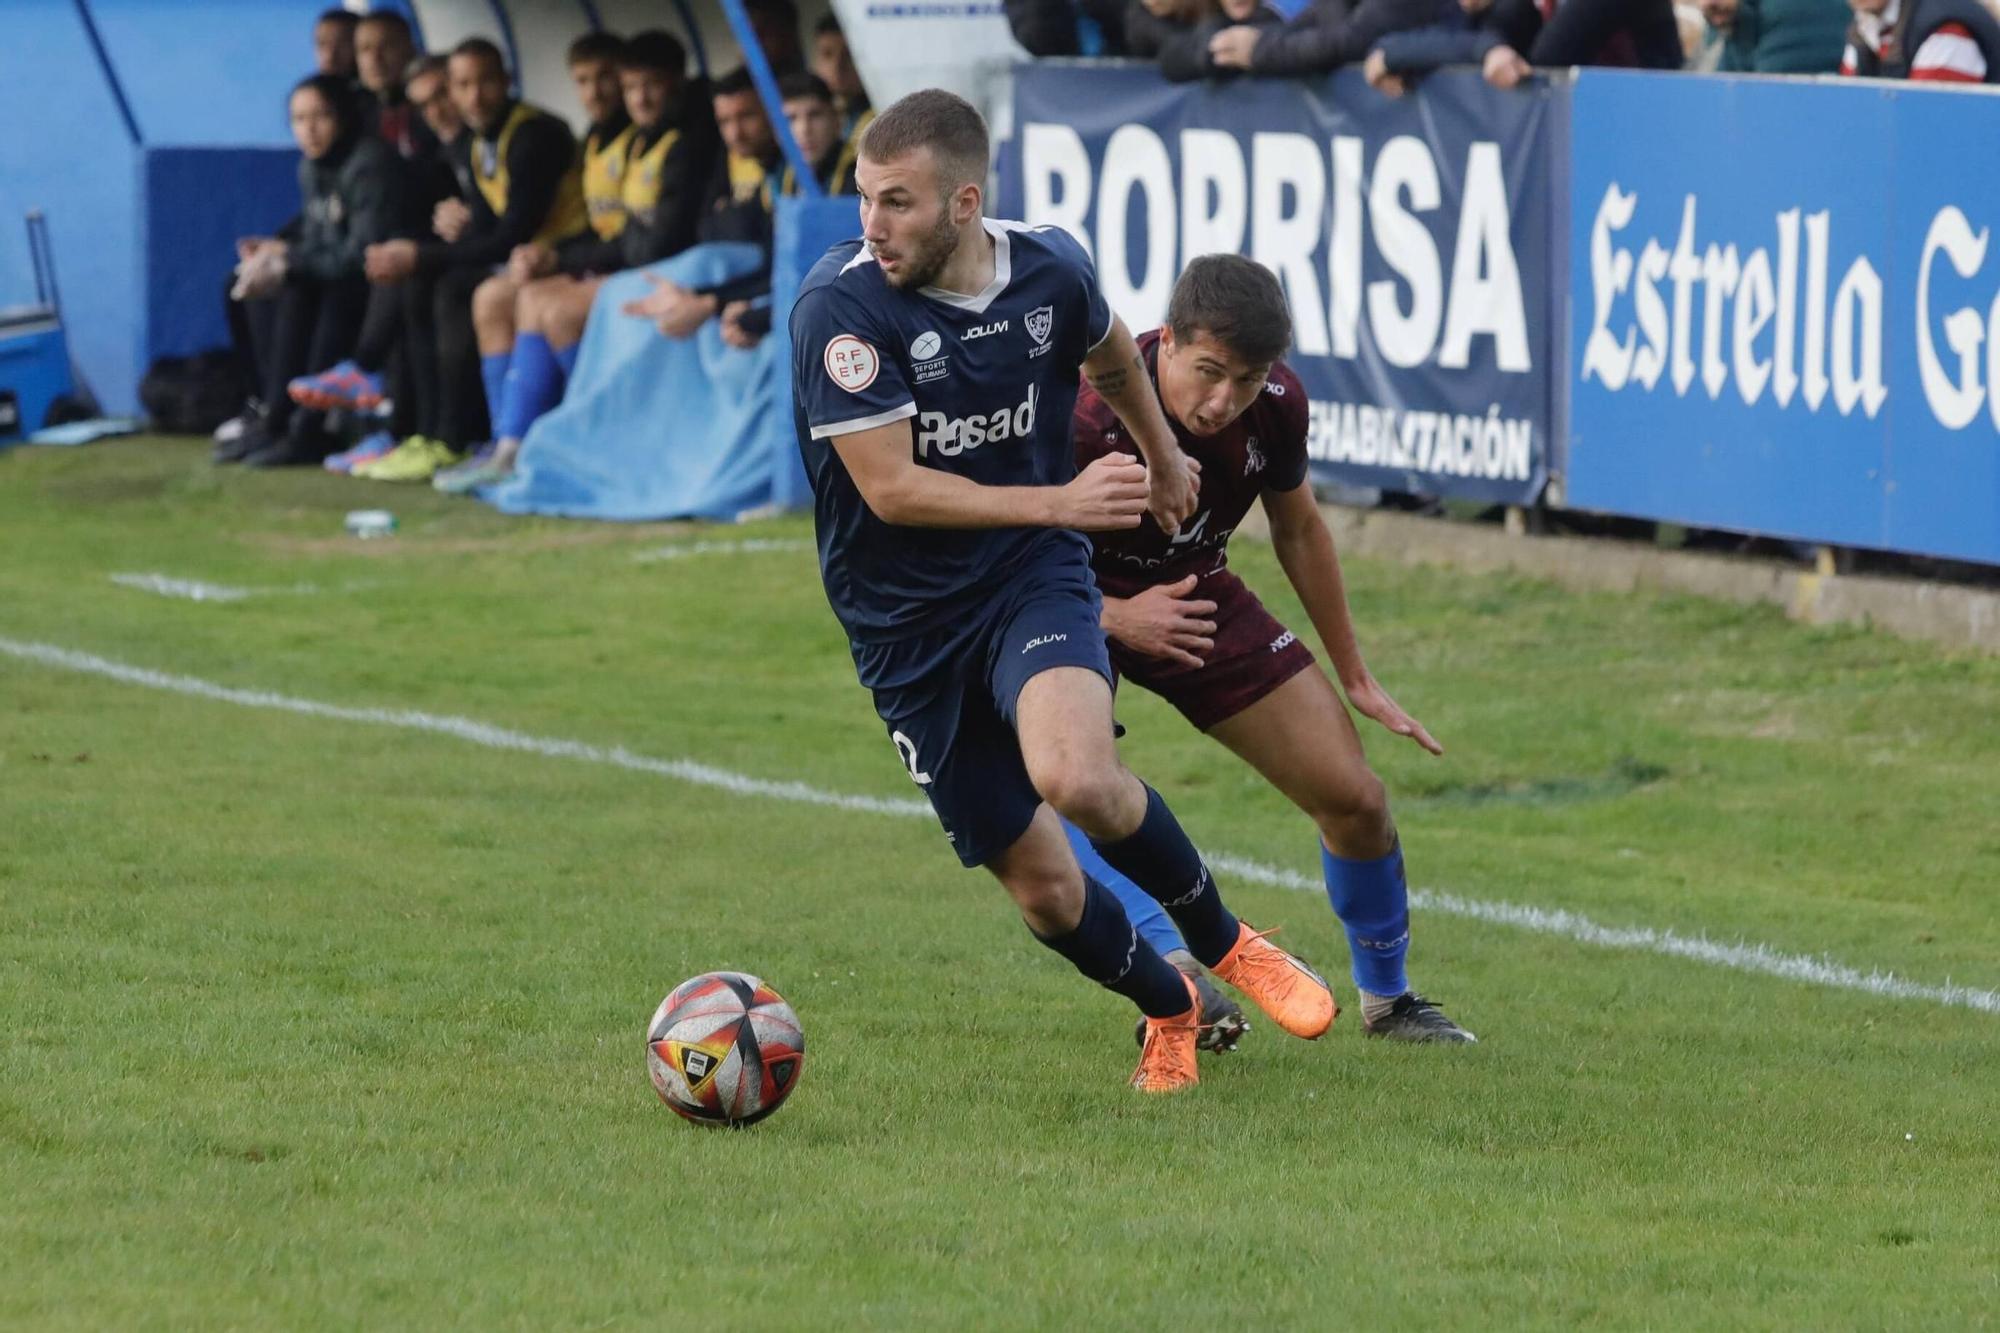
(953, 724)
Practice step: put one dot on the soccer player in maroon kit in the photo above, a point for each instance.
(1182, 625)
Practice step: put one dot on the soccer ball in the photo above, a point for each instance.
(724, 1049)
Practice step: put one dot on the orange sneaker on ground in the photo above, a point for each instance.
(1294, 995)
(1166, 1056)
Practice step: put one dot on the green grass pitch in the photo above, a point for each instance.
(312, 1022)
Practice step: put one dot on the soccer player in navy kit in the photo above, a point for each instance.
(934, 371)
(1183, 626)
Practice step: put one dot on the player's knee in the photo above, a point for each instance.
(1051, 904)
(1092, 796)
(493, 301)
(1354, 820)
(562, 324)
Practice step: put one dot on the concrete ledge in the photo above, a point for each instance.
(1944, 613)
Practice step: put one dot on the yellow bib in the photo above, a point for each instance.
(567, 215)
(642, 176)
(604, 183)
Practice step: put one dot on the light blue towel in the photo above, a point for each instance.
(653, 427)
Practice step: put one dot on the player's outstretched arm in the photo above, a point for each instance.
(1108, 495)
(1118, 373)
(1305, 552)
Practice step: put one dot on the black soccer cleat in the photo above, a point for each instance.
(1222, 1020)
(1415, 1019)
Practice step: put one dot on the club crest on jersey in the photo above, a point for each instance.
(851, 363)
(1253, 458)
(1041, 321)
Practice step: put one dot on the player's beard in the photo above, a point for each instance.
(927, 257)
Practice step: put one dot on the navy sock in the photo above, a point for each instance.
(1373, 904)
(1159, 858)
(1106, 949)
(534, 385)
(1141, 908)
(493, 374)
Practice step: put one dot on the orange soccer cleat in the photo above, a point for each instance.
(1295, 996)
(1167, 1055)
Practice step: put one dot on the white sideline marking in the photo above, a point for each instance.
(681, 550)
(193, 590)
(1744, 957)
(465, 729)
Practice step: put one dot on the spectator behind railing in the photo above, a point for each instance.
(299, 296)
(1510, 38)
(1068, 27)
(1325, 37)
(333, 43)
(669, 154)
(1778, 36)
(833, 62)
(1930, 41)
(1180, 34)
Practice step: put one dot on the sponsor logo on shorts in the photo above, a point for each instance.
(851, 363)
(1033, 644)
(1284, 641)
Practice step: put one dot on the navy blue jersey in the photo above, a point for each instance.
(987, 382)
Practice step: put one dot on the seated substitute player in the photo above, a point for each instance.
(934, 372)
(1184, 626)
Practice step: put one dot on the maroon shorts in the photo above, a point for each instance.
(1253, 655)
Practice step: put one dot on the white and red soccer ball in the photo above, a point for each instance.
(724, 1049)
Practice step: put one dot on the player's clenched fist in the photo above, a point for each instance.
(1174, 488)
(1108, 496)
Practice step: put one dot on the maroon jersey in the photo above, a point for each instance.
(1262, 450)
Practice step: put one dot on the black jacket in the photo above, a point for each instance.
(1182, 48)
(538, 157)
(1333, 33)
(352, 198)
(1048, 27)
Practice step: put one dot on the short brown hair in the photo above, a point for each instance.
(943, 122)
(1236, 301)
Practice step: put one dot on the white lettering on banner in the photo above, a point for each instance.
(1743, 296)
(1286, 198)
(1445, 444)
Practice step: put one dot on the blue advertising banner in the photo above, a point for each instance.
(1413, 237)
(1784, 310)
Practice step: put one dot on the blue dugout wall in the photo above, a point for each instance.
(1766, 305)
(152, 133)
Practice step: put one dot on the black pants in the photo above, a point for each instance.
(460, 418)
(1580, 28)
(304, 327)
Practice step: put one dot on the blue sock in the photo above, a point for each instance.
(1106, 949)
(1159, 858)
(1141, 908)
(1373, 904)
(566, 358)
(493, 374)
(534, 385)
